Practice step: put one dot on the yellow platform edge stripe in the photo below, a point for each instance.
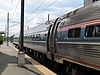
(43, 69)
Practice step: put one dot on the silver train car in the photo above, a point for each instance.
(72, 40)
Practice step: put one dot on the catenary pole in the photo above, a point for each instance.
(21, 54)
(22, 26)
(8, 29)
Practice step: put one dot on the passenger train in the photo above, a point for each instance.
(72, 40)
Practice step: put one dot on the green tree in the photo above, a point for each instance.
(1, 39)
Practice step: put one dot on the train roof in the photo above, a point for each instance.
(36, 29)
(82, 9)
(83, 14)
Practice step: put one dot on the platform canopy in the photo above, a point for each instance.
(2, 32)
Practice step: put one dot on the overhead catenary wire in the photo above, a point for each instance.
(16, 23)
(48, 7)
(42, 10)
(15, 9)
(37, 8)
(78, 6)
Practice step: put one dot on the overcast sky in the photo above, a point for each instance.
(36, 11)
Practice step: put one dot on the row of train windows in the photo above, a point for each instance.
(34, 37)
(90, 31)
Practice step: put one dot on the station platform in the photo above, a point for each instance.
(9, 66)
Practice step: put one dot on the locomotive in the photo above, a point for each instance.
(71, 40)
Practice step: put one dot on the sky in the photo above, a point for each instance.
(36, 12)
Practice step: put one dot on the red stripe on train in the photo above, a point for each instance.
(84, 63)
(81, 25)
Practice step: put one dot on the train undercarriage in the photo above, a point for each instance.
(67, 68)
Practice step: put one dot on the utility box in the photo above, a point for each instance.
(21, 59)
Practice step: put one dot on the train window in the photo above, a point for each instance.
(77, 32)
(33, 37)
(70, 33)
(38, 37)
(97, 31)
(89, 32)
(26, 37)
(95, 0)
(30, 36)
(92, 31)
(74, 33)
(45, 34)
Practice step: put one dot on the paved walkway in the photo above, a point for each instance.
(8, 63)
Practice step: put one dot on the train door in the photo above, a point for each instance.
(52, 39)
(48, 38)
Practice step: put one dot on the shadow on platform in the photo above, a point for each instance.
(31, 70)
(7, 59)
(9, 64)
